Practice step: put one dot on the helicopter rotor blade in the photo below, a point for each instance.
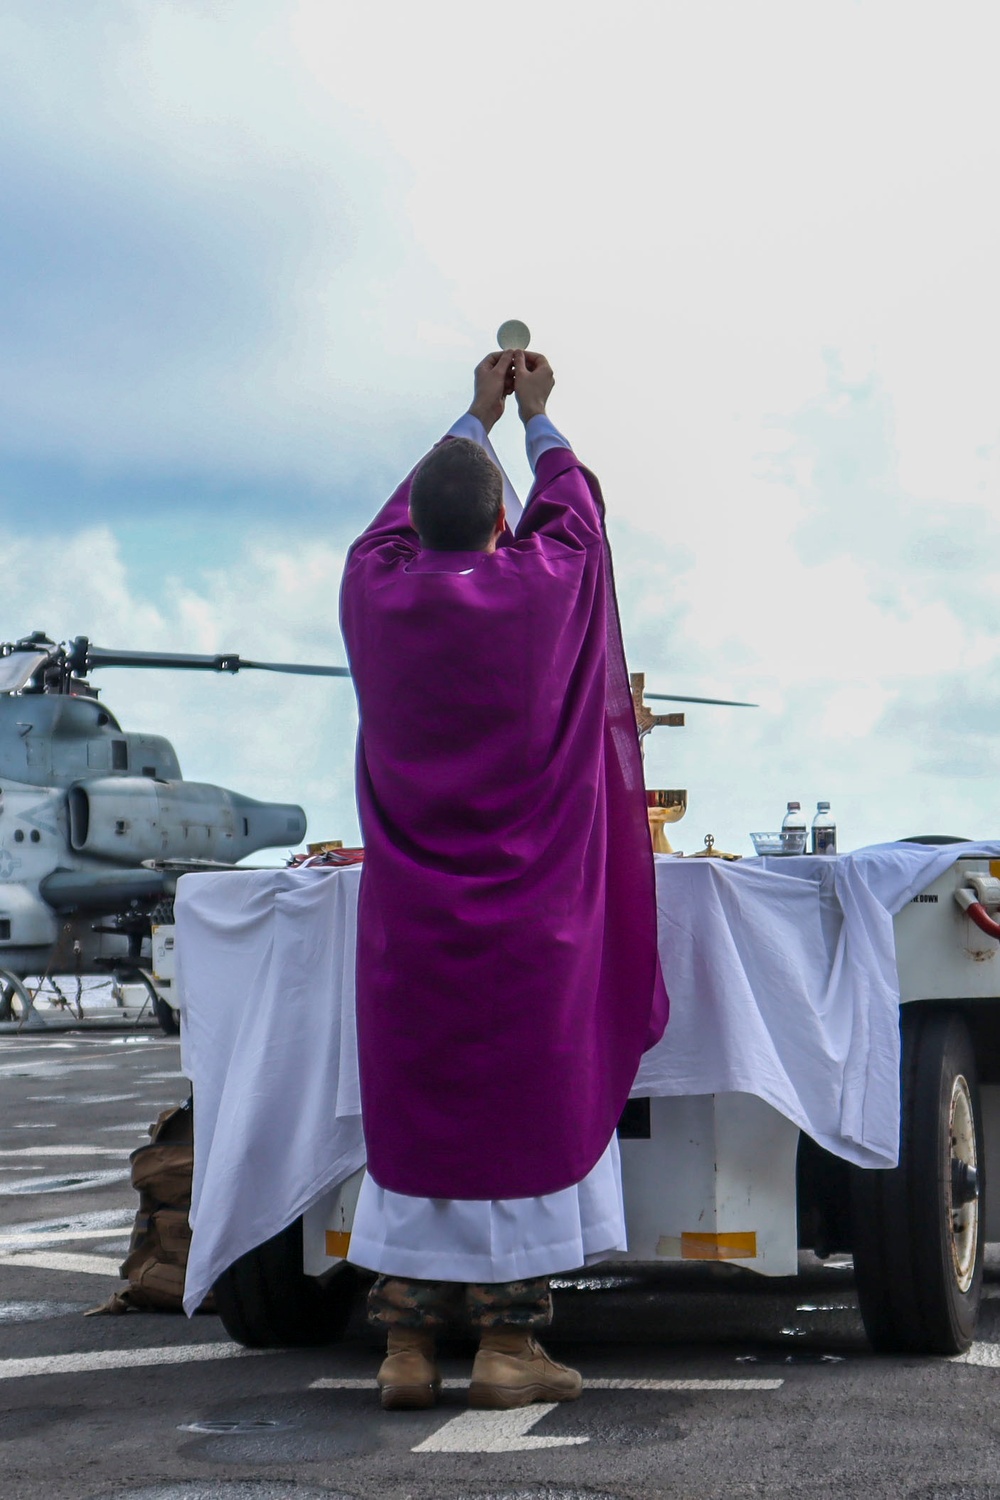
(719, 702)
(224, 661)
(86, 658)
(97, 656)
(293, 666)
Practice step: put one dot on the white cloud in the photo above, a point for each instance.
(759, 243)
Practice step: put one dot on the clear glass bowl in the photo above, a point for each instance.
(792, 842)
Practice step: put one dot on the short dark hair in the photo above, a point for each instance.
(455, 497)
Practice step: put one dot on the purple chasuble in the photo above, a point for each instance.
(507, 972)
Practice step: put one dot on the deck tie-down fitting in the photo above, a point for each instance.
(985, 892)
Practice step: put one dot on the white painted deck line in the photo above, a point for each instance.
(64, 1260)
(41, 1237)
(367, 1383)
(62, 1151)
(495, 1432)
(120, 1359)
(333, 1383)
(986, 1355)
(722, 1384)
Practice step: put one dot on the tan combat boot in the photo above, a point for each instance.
(512, 1369)
(408, 1378)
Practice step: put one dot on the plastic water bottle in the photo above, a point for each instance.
(793, 829)
(824, 830)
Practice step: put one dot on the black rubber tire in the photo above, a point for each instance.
(169, 1019)
(265, 1300)
(908, 1285)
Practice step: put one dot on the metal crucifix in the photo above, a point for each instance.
(645, 719)
(662, 807)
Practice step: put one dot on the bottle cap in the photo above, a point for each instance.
(794, 806)
(822, 807)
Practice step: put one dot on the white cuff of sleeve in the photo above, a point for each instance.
(470, 427)
(539, 436)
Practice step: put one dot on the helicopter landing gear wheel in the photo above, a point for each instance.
(919, 1229)
(169, 1019)
(16, 1003)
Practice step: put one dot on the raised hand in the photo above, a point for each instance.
(533, 382)
(494, 379)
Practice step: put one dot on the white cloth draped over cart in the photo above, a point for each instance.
(781, 975)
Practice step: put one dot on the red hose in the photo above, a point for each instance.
(985, 923)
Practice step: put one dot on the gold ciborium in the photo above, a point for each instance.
(664, 807)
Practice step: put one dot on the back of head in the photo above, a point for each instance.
(455, 497)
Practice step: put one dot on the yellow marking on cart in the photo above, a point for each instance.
(338, 1243)
(995, 868)
(732, 1246)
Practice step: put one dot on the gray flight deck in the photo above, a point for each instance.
(703, 1383)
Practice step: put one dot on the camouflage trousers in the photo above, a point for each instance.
(394, 1302)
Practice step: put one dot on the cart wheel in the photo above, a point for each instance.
(169, 1019)
(266, 1301)
(918, 1229)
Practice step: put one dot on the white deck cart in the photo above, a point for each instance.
(762, 1125)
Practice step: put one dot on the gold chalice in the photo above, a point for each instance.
(664, 807)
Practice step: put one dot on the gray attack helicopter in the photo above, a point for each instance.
(97, 823)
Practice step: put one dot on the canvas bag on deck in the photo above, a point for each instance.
(161, 1235)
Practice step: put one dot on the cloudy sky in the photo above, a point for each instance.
(251, 249)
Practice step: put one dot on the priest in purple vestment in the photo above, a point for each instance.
(507, 972)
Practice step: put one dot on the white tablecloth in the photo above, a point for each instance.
(781, 975)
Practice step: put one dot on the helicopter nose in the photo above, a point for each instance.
(268, 825)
